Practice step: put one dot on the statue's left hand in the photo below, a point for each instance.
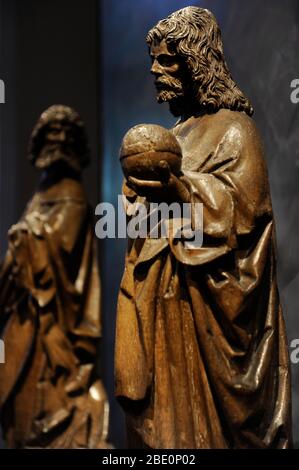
(167, 187)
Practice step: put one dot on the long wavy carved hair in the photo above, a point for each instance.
(194, 34)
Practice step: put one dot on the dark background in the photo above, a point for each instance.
(92, 55)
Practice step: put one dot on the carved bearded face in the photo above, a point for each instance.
(170, 73)
(58, 145)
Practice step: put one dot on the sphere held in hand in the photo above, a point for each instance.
(144, 147)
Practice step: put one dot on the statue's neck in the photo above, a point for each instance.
(184, 109)
(56, 173)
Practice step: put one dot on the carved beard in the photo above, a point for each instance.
(180, 95)
(168, 89)
(52, 153)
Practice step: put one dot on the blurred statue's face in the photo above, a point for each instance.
(58, 145)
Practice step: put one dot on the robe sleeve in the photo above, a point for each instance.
(231, 183)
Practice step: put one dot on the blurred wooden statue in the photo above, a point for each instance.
(201, 350)
(50, 394)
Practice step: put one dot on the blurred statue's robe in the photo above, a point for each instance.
(50, 395)
(201, 350)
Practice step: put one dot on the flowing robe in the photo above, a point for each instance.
(50, 395)
(201, 351)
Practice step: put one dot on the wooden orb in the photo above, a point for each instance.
(144, 147)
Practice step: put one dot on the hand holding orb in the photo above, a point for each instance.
(145, 147)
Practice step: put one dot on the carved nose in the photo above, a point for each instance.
(156, 68)
(61, 136)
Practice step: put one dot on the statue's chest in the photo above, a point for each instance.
(198, 144)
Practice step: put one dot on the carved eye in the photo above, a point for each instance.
(166, 60)
(55, 131)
